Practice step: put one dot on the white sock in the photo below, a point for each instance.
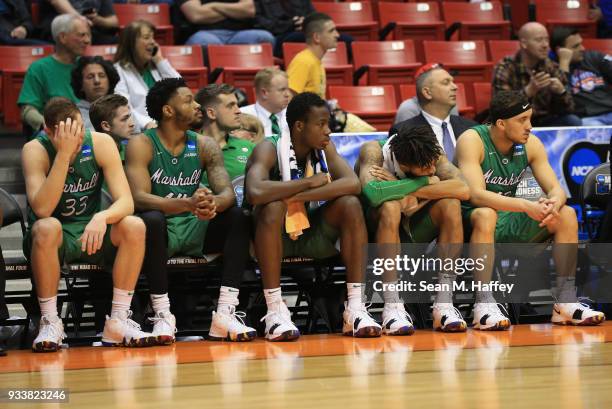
(160, 303)
(354, 295)
(48, 306)
(273, 297)
(392, 299)
(228, 299)
(566, 289)
(446, 279)
(122, 299)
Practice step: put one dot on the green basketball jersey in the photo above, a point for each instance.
(82, 189)
(175, 176)
(502, 173)
(236, 153)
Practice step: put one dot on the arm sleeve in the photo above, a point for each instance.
(166, 70)
(378, 192)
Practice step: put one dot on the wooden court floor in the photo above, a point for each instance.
(530, 366)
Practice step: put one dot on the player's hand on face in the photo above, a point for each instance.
(382, 174)
(93, 235)
(564, 54)
(68, 136)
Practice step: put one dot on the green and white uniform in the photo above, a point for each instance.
(319, 240)
(502, 175)
(178, 177)
(80, 200)
(417, 228)
(236, 153)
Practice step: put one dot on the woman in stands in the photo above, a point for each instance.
(140, 64)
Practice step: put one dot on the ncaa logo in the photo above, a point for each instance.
(581, 162)
(602, 184)
(191, 146)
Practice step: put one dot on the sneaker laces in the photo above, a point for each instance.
(282, 316)
(453, 311)
(495, 309)
(400, 313)
(161, 318)
(50, 328)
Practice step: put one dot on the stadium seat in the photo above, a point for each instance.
(594, 194)
(35, 12)
(189, 62)
(571, 13)
(415, 21)
(353, 18)
(499, 49)
(14, 62)
(600, 44)
(407, 91)
(374, 104)
(482, 96)
(238, 64)
(105, 51)
(337, 69)
(384, 62)
(475, 21)
(466, 60)
(157, 14)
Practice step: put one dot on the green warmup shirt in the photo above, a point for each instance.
(175, 176)
(45, 79)
(83, 185)
(502, 173)
(236, 152)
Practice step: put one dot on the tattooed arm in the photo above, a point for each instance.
(218, 178)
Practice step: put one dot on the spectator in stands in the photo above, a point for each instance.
(250, 129)
(222, 116)
(92, 78)
(411, 108)
(437, 96)
(589, 73)
(63, 171)
(140, 64)
(50, 76)
(165, 168)
(540, 79)
(285, 19)
(16, 26)
(306, 72)
(222, 22)
(111, 114)
(99, 14)
(271, 99)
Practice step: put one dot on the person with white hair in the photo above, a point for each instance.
(50, 76)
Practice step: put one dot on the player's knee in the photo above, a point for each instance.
(272, 214)
(47, 232)
(132, 229)
(390, 214)
(351, 207)
(568, 218)
(484, 219)
(450, 209)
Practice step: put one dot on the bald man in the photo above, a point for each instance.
(538, 77)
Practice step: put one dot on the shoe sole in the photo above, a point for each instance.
(591, 321)
(133, 343)
(365, 332)
(165, 340)
(454, 327)
(46, 346)
(407, 330)
(285, 336)
(498, 326)
(243, 337)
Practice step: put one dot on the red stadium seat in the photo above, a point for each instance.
(189, 62)
(385, 62)
(415, 21)
(337, 69)
(477, 21)
(35, 8)
(14, 62)
(572, 13)
(499, 49)
(238, 64)
(408, 91)
(105, 51)
(600, 44)
(374, 104)
(354, 18)
(157, 14)
(482, 93)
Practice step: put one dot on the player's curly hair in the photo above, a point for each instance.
(160, 94)
(416, 146)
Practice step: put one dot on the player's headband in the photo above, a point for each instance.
(509, 112)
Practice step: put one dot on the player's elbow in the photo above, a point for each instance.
(463, 192)
(255, 196)
(353, 187)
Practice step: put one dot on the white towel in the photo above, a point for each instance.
(389, 161)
